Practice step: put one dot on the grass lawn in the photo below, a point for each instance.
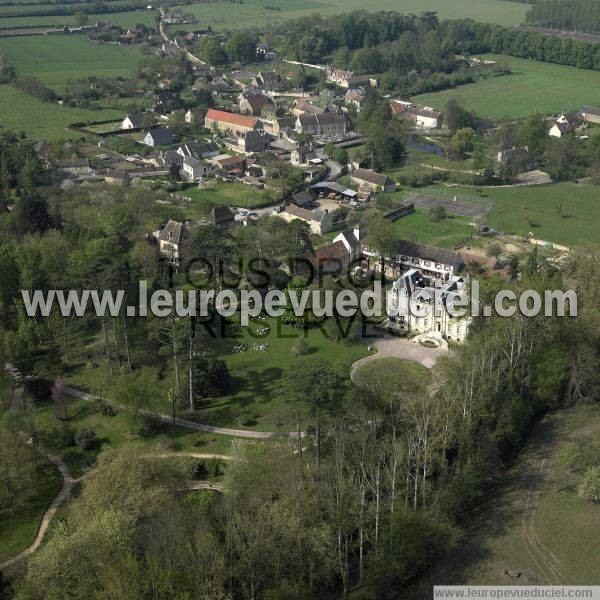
(533, 86)
(43, 120)
(22, 7)
(447, 233)
(579, 204)
(56, 60)
(126, 20)
(105, 127)
(224, 192)
(407, 377)
(220, 15)
(426, 159)
(254, 374)
(532, 522)
(17, 531)
(115, 431)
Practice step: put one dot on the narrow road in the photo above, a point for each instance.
(64, 493)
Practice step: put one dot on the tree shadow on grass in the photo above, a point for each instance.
(499, 512)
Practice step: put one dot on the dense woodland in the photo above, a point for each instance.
(402, 43)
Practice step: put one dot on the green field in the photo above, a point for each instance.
(447, 233)
(124, 19)
(531, 87)
(56, 60)
(23, 7)
(17, 531)
(520, 210)
(223, 15)
(44, 120)
(522, 526)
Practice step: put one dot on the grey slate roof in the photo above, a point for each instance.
(370, 177)
(432, 253)
(162, 137)
(302, 198)
(171, 233)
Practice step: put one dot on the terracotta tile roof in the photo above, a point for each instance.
(232, 119)
(397, 108)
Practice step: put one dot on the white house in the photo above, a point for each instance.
(169, 240)
(159, 137)
(415, 306)
(133, 121)
(432, 262)
(567, 123)
(194, 169)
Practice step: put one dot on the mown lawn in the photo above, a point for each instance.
(223, 15)
(251, 402)
(447, 233)
(44, 120)
(531, 87)
(56, 60)
(17, 531)
(115, 431)
(407, 377)
(520, 210)
(227, 193)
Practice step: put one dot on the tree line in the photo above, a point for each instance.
(403, 43)
(570, 15)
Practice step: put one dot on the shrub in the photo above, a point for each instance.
(589, 488)
(85, 438)
(197, 469)
(438, 213)
(203, 499)
(300, 347)
(585, 456)
(151, 427)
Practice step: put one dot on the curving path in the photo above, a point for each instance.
(391, 346)
(64, 493)
(179, 422)
(69, 482)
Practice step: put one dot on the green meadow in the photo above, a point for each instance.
(447, 233)
(531, 87)
(124, 19)
(521, 210)
(224, 15)
(532, 521)
(44, 120)
(56, 60)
